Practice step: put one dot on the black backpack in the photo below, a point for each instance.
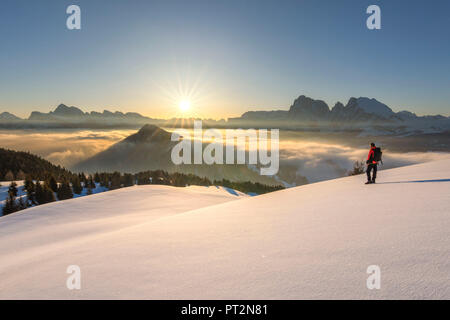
(377, 154)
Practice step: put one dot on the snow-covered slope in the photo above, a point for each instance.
(313, 241)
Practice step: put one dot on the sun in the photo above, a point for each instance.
(184, 105)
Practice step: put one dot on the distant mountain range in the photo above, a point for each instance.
(356, 110)
(72, 117)
(74, 114)
(363, 113)
(367, 115)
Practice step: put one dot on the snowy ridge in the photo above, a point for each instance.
(313, 241)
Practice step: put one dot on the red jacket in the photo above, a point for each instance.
(371, 155)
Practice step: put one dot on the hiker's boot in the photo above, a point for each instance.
(368, 182)
(373, 180)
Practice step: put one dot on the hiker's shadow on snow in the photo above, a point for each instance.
(417, 181)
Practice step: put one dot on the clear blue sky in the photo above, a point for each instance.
(225, 56)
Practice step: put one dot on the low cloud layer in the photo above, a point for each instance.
(61, 147)
(301, 161)
(320, 161)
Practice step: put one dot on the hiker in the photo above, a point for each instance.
(372, 162)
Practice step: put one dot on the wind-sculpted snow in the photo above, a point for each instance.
(313, 241)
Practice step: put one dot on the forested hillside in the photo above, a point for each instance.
(16, 165)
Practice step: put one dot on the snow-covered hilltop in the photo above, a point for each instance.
(313, 241)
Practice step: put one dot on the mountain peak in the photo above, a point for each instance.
(372, 106)
(8, 116)
(61, 106)
(149, 129)
(308, 108)
(64, 110)
(149, 133)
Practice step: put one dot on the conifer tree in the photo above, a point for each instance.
(39, 193)
(83, 179)
(53, 184)
(64, 191)
(12, 190)
(43, 193)
(10, 203)
(10, 206)
(104, 181)
(115, 180)
(20, 175)
(49, 195)
(76, 185)
(128, 180)
(22, 204)
(9, 176)
(90, 182)
(30, 188)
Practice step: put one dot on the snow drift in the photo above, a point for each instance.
(313, 241)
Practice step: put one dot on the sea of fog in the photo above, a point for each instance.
(302, 160)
